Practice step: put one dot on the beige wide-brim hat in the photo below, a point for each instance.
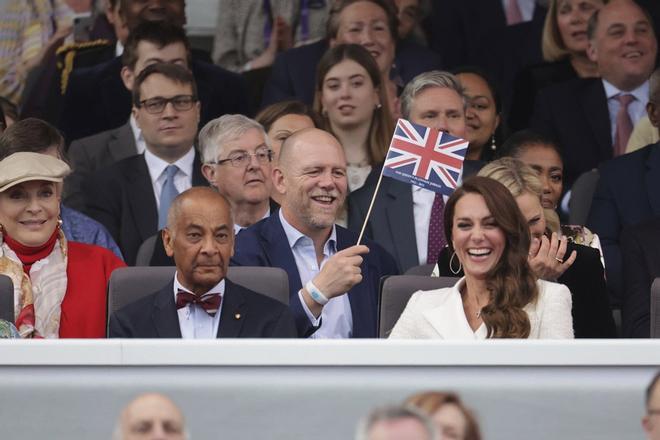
(24, 167)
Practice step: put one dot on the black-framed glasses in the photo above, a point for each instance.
(181, 103)
(242, 158)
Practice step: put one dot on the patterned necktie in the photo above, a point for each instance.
(210, 302)
(513, 14)
(167, 194)
(436, 232)
(624, 125)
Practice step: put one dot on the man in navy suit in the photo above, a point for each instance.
(200, 303)
(333, 282)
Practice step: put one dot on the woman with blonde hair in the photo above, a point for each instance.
(452, 419)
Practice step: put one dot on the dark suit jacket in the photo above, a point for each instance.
(155, 316)
(265, 244)
(96, 99)
(87, 155)
(592, 316)
(640, 252)
(627, 193)
(392, 221)
(293, 74)
(122, 198)
(575, 114)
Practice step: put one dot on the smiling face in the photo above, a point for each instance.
(624, 45)
(348, 95)
(572, 17)
(29, 211)
(441, 108)
(171, 133)
(201, 239)
(284, 127)
(250, 183)
(476, 238)
(312, 178)
(365, 23)
(481, 115)
(531, 208)
(550, 169)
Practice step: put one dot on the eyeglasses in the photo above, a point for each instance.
(242, 158)
(181, 103)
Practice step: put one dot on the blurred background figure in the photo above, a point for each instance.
(151, 416)
(650, 421)
(451, 418)
(396, 423)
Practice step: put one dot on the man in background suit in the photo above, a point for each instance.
(333, 282)
(200, 302)
(132, 196)
(401, 215)
(581, 114)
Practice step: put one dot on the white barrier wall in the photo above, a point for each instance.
(257, 389)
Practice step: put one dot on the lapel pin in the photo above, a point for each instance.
(237, 316)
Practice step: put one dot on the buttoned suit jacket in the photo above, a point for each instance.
(627, 194)
(92, 153)
(122, 198)
(575, 114)
(265, 244)
(244, 314)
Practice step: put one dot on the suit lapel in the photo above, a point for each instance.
(198, 178)
(141, 198)
(400, 218)
(164, 315)
(233, 312)
(653, 178)
(594, 107)
(122, 143)
(278, 252)
(448, 318)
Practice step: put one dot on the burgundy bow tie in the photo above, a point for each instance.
(210, 302)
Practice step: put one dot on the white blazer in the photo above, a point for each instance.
(439, 314)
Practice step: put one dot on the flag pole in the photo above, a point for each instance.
(371, 205)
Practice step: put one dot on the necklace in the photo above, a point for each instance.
(478, 305)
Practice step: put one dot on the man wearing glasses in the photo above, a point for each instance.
(237, 162)
(131, 198)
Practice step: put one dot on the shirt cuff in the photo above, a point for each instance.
(314, 321)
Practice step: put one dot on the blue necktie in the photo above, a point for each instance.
(167, 194)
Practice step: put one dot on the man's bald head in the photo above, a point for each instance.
(305, 138)
(201, 194)
(151, 416)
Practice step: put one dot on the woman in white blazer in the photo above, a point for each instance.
(499, 296)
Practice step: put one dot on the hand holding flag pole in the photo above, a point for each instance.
(422, 156)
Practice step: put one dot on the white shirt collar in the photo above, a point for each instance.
(239, 228)
(218, 288)
(119, 49)
(157, 165)
(293, 235)
(641, 93)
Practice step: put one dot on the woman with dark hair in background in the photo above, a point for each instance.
(499, 295)
(452, 419)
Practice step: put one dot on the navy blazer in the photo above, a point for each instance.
(155, 316)
(627, 193)
(265, 244)
(293, 75)
(96, 99)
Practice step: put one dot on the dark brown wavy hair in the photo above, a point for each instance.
(511, 283)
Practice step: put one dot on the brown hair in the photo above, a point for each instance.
(30, 135)
(332, 27)
(159, 33)
(273, 112)
(511, 283)
(173, 72)
(431, 401)
(381, 128)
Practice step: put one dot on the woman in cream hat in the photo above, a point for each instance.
(59, 286)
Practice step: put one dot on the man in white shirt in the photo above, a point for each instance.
(200, 303)
(333, 283)
(131, 197)
(237, 162)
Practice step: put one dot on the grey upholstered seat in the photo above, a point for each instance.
(6, 299)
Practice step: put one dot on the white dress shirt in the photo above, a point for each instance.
(526, 8)
(182, 178)
(336, 317)
(140, 145)
(119, 49)
(636, 109)
(194, 321)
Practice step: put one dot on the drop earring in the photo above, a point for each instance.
(493, 146)
(451, 264)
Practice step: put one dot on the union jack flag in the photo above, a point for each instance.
(425, 157)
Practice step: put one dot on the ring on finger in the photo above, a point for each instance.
(559, 260)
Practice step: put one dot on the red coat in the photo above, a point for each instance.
(85, 302)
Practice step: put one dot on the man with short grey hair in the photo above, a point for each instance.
(401, 220)
(237, 158)
(396, 423)
(151, 416)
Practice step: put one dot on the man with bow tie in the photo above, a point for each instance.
(200, 302)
